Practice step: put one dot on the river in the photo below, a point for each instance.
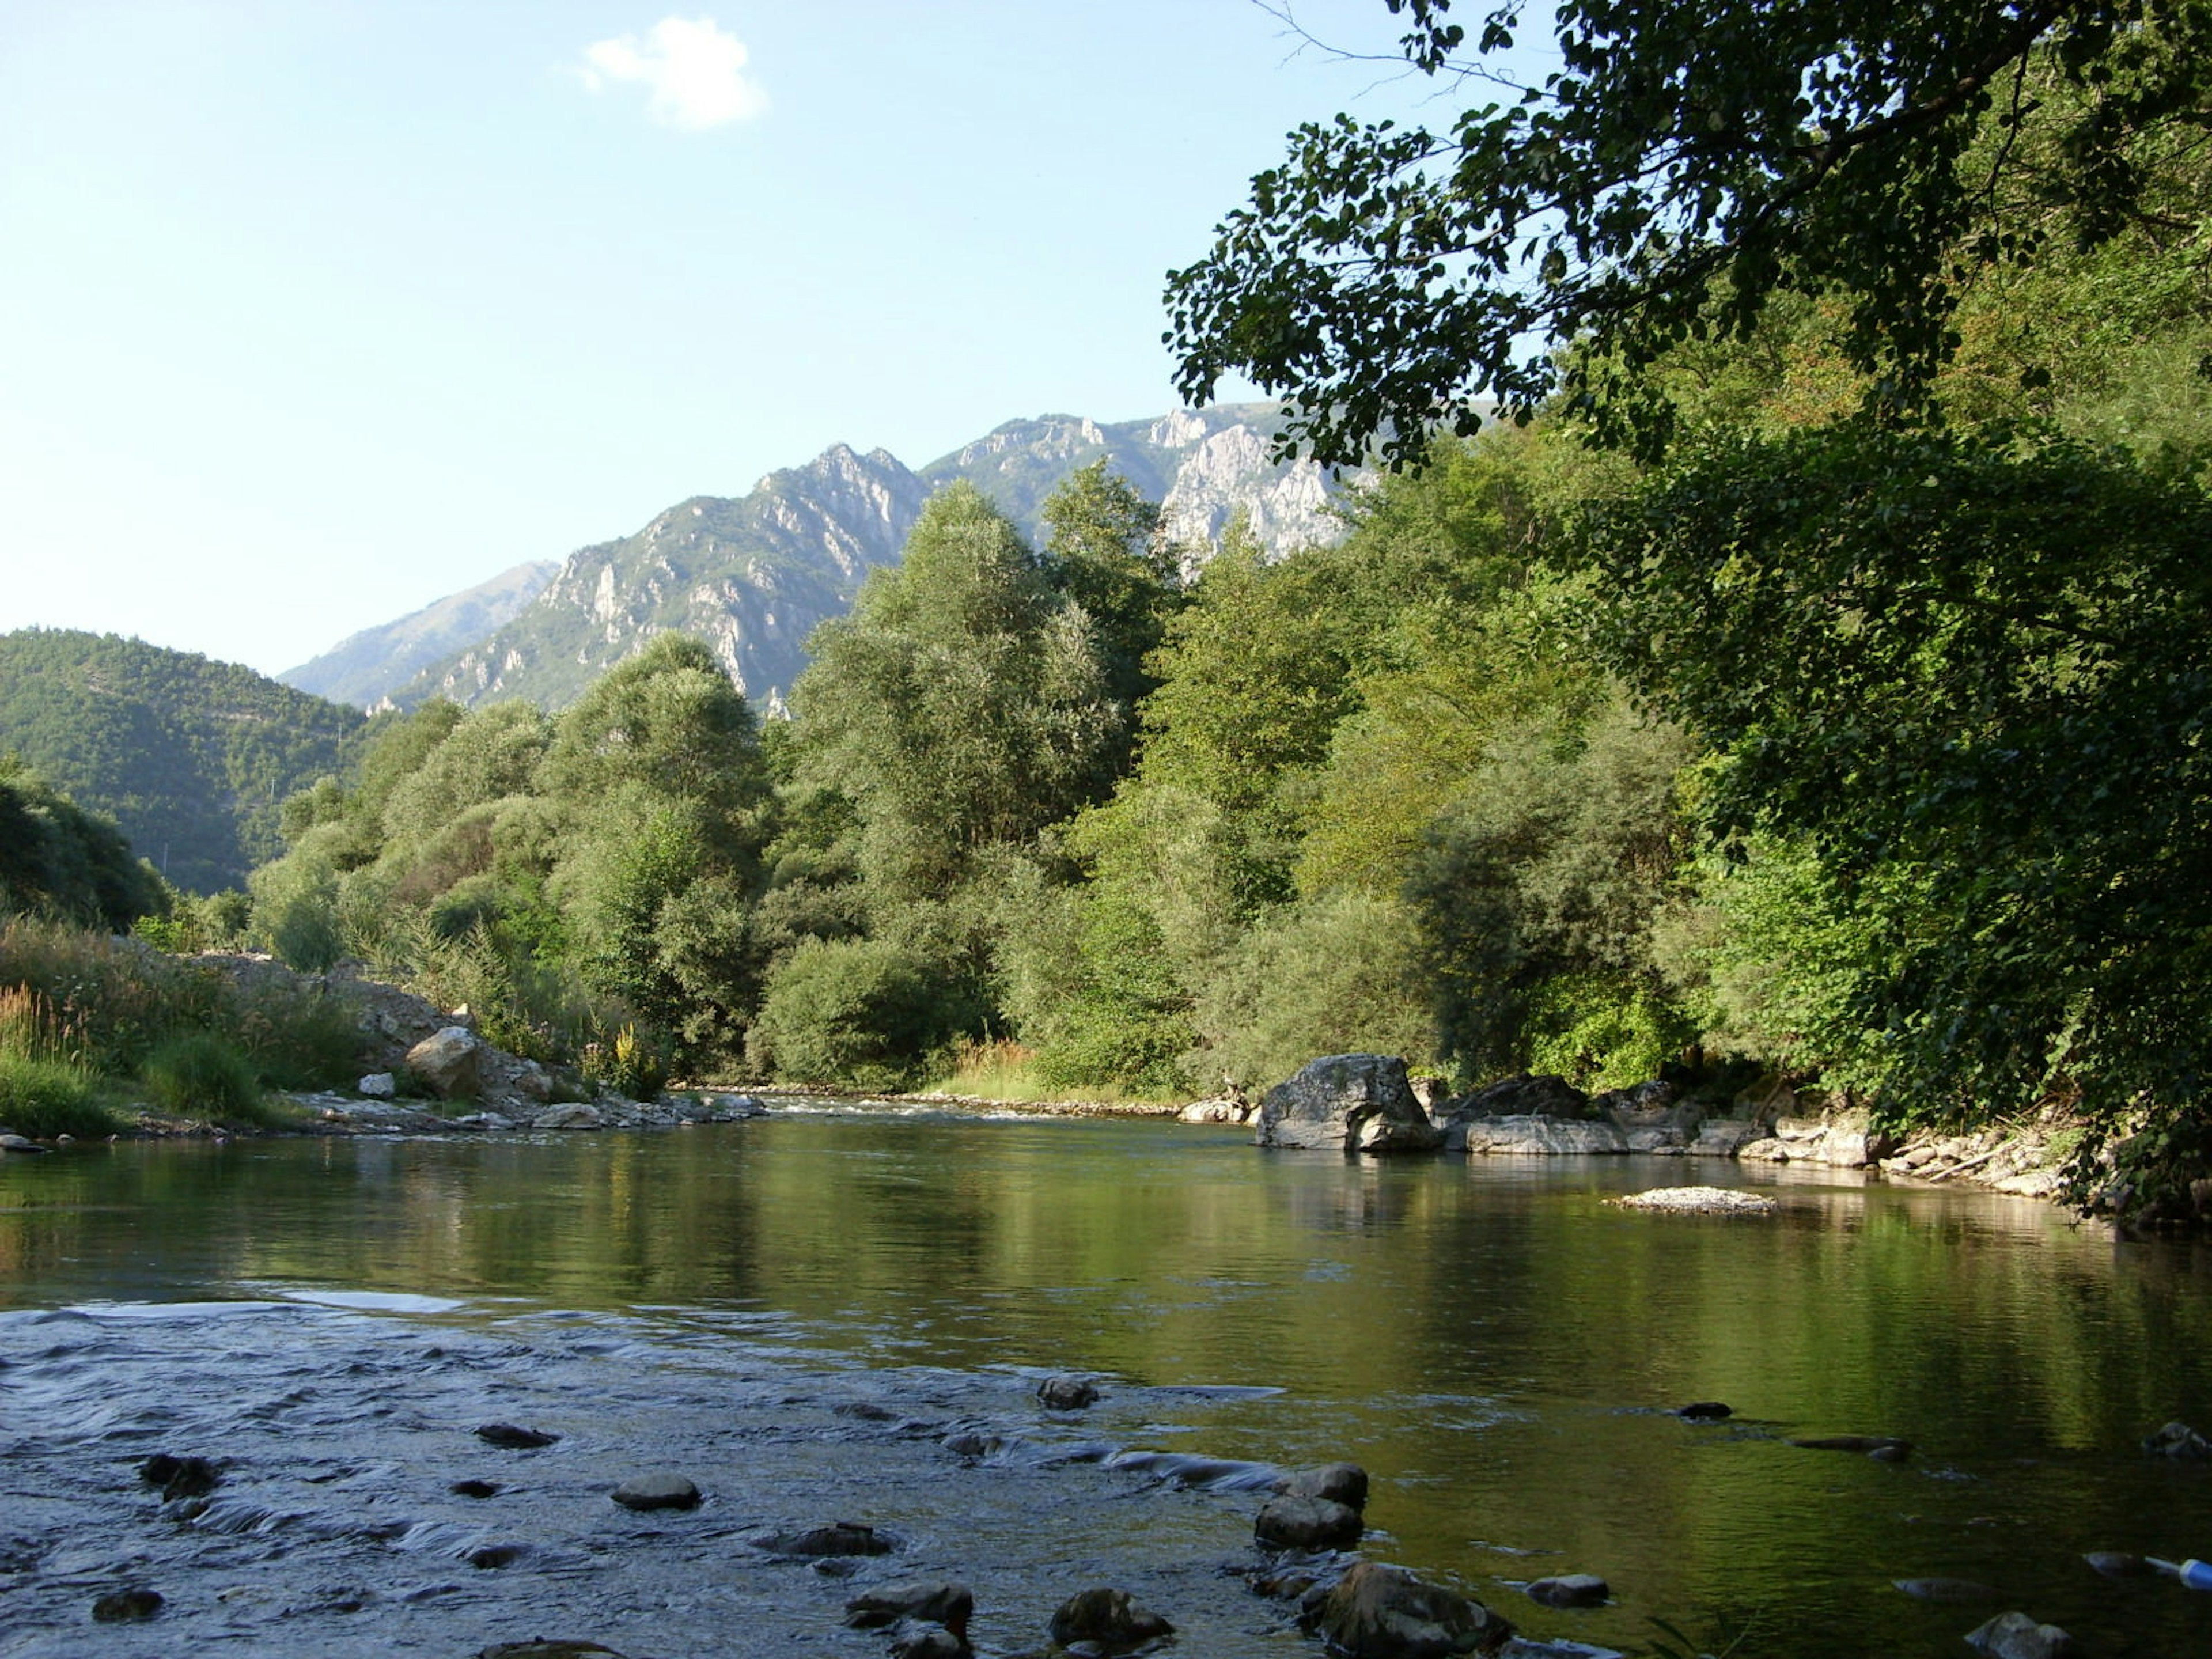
(800, 1312)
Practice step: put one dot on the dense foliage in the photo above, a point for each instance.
(191, 758)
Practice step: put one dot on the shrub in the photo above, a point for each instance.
(862, 1011)
(199, 1074)
(295, 1035)
(43, 1097)
(625, 1063)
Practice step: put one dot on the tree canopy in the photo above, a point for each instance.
(1681, 167)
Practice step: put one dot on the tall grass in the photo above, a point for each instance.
(116, 1012)
(1002, 1069)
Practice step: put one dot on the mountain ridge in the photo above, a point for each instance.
(755, 574)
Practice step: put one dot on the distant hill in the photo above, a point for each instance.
(190, 758)
(755, 575)
(361, 669)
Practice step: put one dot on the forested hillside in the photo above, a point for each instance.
(191, 758)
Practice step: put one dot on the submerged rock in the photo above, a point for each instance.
(180, 1477)
(947, 1604)
(539, 1648)
(1110, 1620)
(1882, 1448)
(2178, 1440)
(911, 1641)
(475, 1489)
(2118, 1564)
(1704, 1411)
(657, 1491)
(1945, 1590)
(508, 1436)
(2018, 1636)
(127, 1607)
(839, 1538)
(1355, 1102)
(1376, 1612)
(1067, 1393)
(1572, 1589)
(12, 1142)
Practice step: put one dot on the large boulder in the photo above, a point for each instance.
(450, 1063)
(1354, 1103)
(1523, 1095)
(1534, 1137)
(1376, 1612)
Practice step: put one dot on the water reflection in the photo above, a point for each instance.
(1492, 1340)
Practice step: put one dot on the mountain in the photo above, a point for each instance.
(754, 575)
(361, 668)
(190, 758)
(1201, 466)
(751, 576)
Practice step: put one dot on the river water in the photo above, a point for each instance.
(837, 1315)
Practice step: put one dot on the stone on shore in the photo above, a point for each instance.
(575, 1115)
(1523, 1095)
(376, 1085)
(1351, 1102)
(450, 1062)
(1534, 1137)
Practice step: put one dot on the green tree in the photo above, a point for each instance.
(57, 859)
(964, 704)
(1680, 167)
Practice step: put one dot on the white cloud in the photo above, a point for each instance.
(694, 73)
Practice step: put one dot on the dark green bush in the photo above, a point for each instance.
(42, 1099)
(859, 1011)
(200, 1075)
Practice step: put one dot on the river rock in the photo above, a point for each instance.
(914, 1641)
(1572, 1589)
(573, 1115)
(1215, 1111)
(1357, 1103)
(1699, 1200)
(180, 1477)
(450, 1062)
(540, 1648)
(508, 1436)
(1523, 1095)
(1067, 1393)
(838, 1539)
(1377, 1611)
(1945, 1590)
(2178, 1440)
(947, 1604)
(2018, 1636)
(1723, 1137)
(376, 1085)
(1307, 1523)
(1705, 1411)
(1111, 1620)
(1337, 1483)
(1880, 1447)
(657, 1491)
(1534, 1136)
(2119, 1564)
(12, 1142)
(473, 1488)
(127, 1607)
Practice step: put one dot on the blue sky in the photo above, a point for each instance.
(313, 311)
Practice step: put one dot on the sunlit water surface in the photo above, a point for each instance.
(798, 1312)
